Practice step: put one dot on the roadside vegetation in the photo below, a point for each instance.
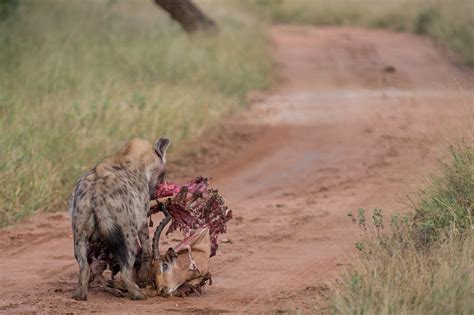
(418, 262)
(450, 22)
(77, 78)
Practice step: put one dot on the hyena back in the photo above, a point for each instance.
(110, 204)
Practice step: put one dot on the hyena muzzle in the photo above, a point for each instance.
(110, 203)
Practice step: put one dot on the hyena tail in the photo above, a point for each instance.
(112, 235)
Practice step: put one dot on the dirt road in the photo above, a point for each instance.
(354, 121)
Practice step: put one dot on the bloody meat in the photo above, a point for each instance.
(194, 206)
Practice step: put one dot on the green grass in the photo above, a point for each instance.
(77, 78)
(450, 22)
(423, 263)
(447, 205)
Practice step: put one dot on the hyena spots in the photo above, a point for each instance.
(110, 203)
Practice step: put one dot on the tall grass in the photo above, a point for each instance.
(77, 78)
(451, 22)
(424, 264)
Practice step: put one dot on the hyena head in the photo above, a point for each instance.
(149, 159)
(186, 263)
(157, 170)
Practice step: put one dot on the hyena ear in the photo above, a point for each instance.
(161, 145)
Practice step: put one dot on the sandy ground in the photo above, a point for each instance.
(355, 120)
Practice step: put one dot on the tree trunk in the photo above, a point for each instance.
(188, 15)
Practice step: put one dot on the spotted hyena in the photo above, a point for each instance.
(109, 205)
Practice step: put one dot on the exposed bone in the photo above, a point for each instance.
(197, 211)
(194, 205)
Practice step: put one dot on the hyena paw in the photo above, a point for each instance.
(137, 295)
(79, 296)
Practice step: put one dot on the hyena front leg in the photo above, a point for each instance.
(127, 272)
(80, 251)
(144, 272)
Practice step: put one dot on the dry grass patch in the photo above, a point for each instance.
(77, 78)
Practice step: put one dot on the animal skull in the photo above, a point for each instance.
(183, 269)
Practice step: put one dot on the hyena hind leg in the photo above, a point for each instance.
(132, 288)
(126, 272)
(143, 276)
(80, 251)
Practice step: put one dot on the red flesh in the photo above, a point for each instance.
(195, 206)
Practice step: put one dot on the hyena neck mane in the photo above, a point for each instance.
(137, 155)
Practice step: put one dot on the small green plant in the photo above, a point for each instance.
(375, 226)
(377, 219)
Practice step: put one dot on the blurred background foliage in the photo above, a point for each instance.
(77, 78)
(450, 22)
